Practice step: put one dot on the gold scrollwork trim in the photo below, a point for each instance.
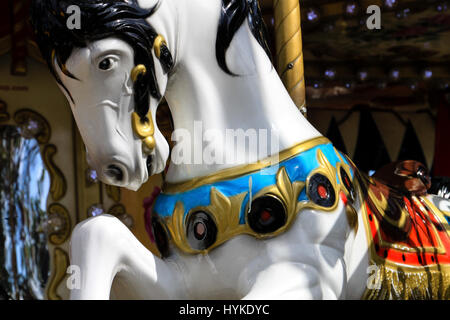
(62, 235)
(288, 193)
(21, 117)
(61, 263)
(226, 218)
(328, 171)
(159, 41)
(58, 186)
(238, 171)
(137, 71)
(350, 211)
(144, 130)
(175, 227)
(226, 213)
(113, 192)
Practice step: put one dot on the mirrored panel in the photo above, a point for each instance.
(24, 188)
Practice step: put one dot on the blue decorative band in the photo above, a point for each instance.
(298, 167)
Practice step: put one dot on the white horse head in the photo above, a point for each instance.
(114, 84)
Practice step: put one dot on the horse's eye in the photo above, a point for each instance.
(105, 64)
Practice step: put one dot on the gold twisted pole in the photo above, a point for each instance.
(288, 37)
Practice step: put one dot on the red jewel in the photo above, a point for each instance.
(322, 191)
(200, 229)
(344, 198)
(265, 215)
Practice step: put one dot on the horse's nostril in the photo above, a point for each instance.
(115, 172)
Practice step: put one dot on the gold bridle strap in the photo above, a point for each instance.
(145, 130)
(137, 71)
(159, 41)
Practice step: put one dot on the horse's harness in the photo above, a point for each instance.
(144, 128)
(260, 199)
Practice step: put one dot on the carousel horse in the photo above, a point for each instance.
(300, 222)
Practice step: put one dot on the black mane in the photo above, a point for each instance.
(234, 13)
(99, 19)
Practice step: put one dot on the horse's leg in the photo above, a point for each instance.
(285, 281)
(103, 247)
(306, 262)
(297, 280)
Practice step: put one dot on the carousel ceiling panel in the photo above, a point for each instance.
(413, 30)
(346, 63)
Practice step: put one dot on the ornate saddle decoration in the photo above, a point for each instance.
(260, 199)
(408, 240)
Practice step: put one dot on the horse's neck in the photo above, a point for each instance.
(202, 97)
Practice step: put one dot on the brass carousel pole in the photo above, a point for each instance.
(288, 37)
